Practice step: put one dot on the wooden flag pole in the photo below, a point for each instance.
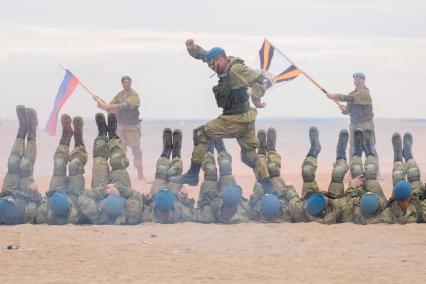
(307, 76)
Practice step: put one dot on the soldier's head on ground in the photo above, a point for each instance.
(316, 204)
(114, 205)
(164, 201)
(270, 205)
(8, 211)
(402, 193)
(369, 203)
(126, 82)
(58, 204)
(217, 60)
(359, 79)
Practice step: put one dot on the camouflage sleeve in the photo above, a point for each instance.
(198, 53)
(345, 98)
(243, 76)
(125, 191)
(115, 99)
(131, 102)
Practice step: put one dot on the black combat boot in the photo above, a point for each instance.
(22, 119)
(112, 126)
(358, 142)
(78, 124)
(32, 122)
(67, 131)
(408, 145)
(101, 123)
(219, 145)
(341, 145)
(397, 147)
(191, 177)
(315, 143)
(271, 138)
(167, 143)
(261, 136)
(368, 142)
(177, 143)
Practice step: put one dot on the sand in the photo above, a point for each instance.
(197, 253)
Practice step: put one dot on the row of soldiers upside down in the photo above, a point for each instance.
(111, 199)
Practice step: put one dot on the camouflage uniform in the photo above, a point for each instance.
(72, 185)
(238, 118)
(91, 202)
(19, 177)
(126, 105)
(359, 107)
(210, 201)
(182, 208)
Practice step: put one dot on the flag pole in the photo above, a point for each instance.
(95, 97)
(307, 76)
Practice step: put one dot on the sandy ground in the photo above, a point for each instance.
(196, 253)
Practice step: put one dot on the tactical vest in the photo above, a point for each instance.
(128, 116)
(361, 109)
(231, 101)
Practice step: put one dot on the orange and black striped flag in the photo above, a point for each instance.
(273, 62)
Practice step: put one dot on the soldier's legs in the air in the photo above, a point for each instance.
(133, 209)
(411, 168)
(309, 165)
(61, 157)
(162, 166)
(340, 167)
(78, 159)
(26, 168)
(176, 164)
(398, 170)
(209, 189)
(224, 160)
(100, 171)
(356, 165)
(371, 164)
(11, 180)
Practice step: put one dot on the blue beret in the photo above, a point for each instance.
(214, 53)
(316, 203)
(359, 75)
(369, 203)
(58, 203)
(114, 205)
(232, 195)
(8, 210)
(402, 190)
(164, 200)
(269, 204)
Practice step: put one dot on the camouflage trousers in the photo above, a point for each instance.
(365, 125)
(130, 136)
(408, 171)
(369, 170)
(165, 169)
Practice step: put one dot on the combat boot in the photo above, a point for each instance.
(219, 145)
(358, 142)
(32, 122)
(67, 131)
(368, 142)
(112, 126)
(167, 143)
(407, 141)
(271, 138)
(261, 136)
(22, 119)
(315, 143)
(177, 143)
(341, 145)
(397, 147)
(191, 177)
(78, 124)
(101, 123)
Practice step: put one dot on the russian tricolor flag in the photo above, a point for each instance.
(67, 87)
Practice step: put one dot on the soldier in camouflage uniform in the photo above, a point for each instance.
(126, 105)
(322, 207)
(62, 187)
(220, 199)
(266, 205)
(112, 199)
(364, 200)
(20, 198)
(166, 202)
(360, 108)
(238, 118)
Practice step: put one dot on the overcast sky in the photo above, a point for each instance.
(102, 40)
